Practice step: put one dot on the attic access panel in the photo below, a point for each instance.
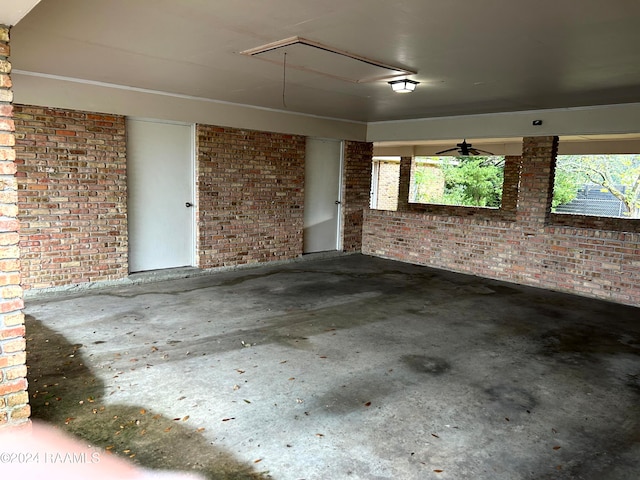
(310, 56)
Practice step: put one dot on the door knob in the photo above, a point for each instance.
(188, 204)
(338, 202)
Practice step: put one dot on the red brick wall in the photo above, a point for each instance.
(355, 192)
(250, 188)
(593, 257)
(14, 399)
(72, 196)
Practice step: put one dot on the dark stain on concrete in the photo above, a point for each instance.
(501, 289)
(59, 380)
(633, 382)
(426, 364)
(588, 340)
(364, 395)
(511, 398)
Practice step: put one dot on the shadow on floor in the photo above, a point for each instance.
(64, 392)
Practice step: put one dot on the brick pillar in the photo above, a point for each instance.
(404, 186)
(14, 399)
(511, 183)
(356, 192)
(536, 182)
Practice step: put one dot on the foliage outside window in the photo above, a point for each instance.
(464, 181)
(602, 185)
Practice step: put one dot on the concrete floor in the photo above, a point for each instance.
(351, 367)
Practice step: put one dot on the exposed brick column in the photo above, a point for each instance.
(536, 182)
(511, 183)
(404, 186)
(356, 192)
(14, 399)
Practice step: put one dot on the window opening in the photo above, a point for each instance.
(600, 185)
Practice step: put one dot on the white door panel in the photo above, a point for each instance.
(160, 183)
(323, 167)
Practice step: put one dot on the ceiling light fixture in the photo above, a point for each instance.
(403, 86)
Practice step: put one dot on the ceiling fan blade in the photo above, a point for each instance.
(449, 150)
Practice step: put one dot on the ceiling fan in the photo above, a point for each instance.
(465, 149)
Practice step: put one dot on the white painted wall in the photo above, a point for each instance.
(67, 93)
(12, 11)
(569, 121)
(59, 92)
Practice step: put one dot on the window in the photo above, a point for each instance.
(385, 174)
(601, 185)
(464, 181)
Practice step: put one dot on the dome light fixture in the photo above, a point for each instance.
(403, 86)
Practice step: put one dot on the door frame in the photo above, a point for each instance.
(339, 240)
(193, 190)
(341, 195)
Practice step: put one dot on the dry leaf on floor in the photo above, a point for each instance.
(201, 429)
(319, 435)
(236, 387)
(227, 419)
(167, 429)
(434, 435)
(438, 471)
(557, 447)
(143, 411)
(368, 404)
(257, 461)
(185, 418)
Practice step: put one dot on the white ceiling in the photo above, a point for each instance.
(470, 57)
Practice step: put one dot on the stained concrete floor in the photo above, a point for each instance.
(345, 368)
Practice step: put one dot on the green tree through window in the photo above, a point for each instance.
(619, 175)
(465, 181)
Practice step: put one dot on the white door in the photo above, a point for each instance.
(160, 180)
(322, 186)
